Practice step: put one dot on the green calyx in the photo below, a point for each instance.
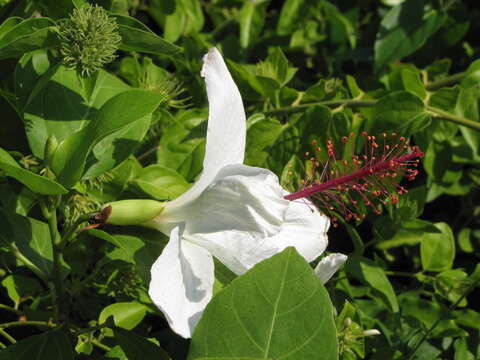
(132, 212)
(89, 39)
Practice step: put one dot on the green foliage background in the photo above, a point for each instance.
(307, 70)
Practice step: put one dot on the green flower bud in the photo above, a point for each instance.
(50, 147)
(132, 212)
(89, 39)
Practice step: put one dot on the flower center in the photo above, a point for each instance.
(342, 186)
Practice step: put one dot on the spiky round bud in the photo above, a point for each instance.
(89, 39)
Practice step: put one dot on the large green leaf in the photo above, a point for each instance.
(50, 345)
(116, 147)
(12, 136)
(31, 34)
(135, 245)
(404, 29)
(279, 309)
(121, 110)
(137, 347)
(137, 37)
(34, 182)
(55, 101)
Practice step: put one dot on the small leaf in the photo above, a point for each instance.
(126, 315)
(404, 29)
(438, 249)
(34, 182)
(31, 34)
(137, 37)
(278, 309)
(398, 111)
(19, 286)
(187, 19)
(182, 146)
(251, 19)
(137, 347)
(369, 273)
(292, 12)
(50, 345)
(160, 182)
(32, 237)
(341, 27)
(270, 143)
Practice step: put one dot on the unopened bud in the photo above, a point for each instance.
(50, 148)
(348, 321)
(133, 212)
(371, 332)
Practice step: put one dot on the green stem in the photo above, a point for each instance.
(435, 85)
(9, 308)
(401, 274)
(90, 329)
(332, 103)
(475, 125)
(34, 268)
(57, 289)
(26, 323)
(7, 336)
(221, 28)
(100, 345)
(440, 318)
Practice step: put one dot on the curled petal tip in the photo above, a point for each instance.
(329, 265)
(212, 59)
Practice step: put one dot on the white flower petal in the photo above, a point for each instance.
(226, 125)
(236, 215)
(329, 266)
(181, 283)
(305, 228)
